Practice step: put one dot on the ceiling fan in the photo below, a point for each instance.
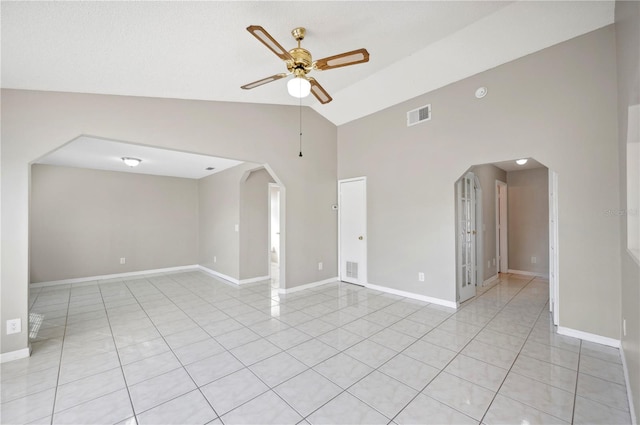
(299, 64)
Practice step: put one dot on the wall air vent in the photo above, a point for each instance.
(419, 115)
(352, 269)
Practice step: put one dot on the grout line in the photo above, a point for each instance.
(115, 346)
(64, 334)
(170, 349)
(517, 355)
(459, 353)
(326, 296)
(575, 391)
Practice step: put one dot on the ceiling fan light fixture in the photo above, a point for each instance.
(131, 162)
(299, 87)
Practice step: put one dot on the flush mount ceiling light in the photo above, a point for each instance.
(521, 161)
(131, 162)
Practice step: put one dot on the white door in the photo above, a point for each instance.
(501, 227)
(352, 230)
(553, 245)
(466, 229)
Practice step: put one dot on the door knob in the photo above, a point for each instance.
(360, 238)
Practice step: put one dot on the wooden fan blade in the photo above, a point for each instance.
(263, 81)
(266, 39)
(343, 59)
(319, 92)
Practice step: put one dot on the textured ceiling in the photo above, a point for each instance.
(201, 50)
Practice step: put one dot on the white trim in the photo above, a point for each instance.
(254, 279)
(522, 272)
(15, 355)
(491, 279)
(502, 260)
(598, 339)
(634, 420)
(554, 252)
(219, 275)
(112, 276)
(412, 295)
(282, 260)
(307, 286)
(270, 188)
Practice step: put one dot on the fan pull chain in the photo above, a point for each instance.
(300, 155)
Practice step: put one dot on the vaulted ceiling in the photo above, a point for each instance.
(201, 50)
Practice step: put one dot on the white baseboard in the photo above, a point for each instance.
(15, 355)
(153, 271)
(491, 279)
(219, 275)
(113, 276)
(306, 286)
(254, 279)
(598, 339)
(412, 295)
(525, 273)
(634, 419)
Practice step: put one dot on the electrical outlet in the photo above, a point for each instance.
(421, 277)
(237, 227)
(624, 327)
(320, 265)
(534, 260)
(123, 260)
(14, 326)
(215, 260)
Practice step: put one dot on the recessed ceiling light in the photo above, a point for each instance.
(522, 161)
(210, 168)
(131, 162)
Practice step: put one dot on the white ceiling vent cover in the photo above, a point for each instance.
(419, 115)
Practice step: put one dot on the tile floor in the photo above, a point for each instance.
(185, 348)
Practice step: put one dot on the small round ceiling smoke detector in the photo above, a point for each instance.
(481, 92)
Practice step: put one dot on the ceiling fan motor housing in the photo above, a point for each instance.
(301, 60)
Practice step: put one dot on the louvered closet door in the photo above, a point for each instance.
(352, 222)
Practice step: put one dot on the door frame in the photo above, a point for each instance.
(366, 240)
(502, 261)
(554, 265)
(269, 240)
(479, 232)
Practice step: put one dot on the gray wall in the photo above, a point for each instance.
(254, 225)
(219, 213)
(528, 220)
(628, 61)
(541, 106)
(35, 123)
(487, 175)
(83, 221)
(236, 196)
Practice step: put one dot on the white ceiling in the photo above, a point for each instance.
(201, 50)
(101, 154)
(513, 166)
